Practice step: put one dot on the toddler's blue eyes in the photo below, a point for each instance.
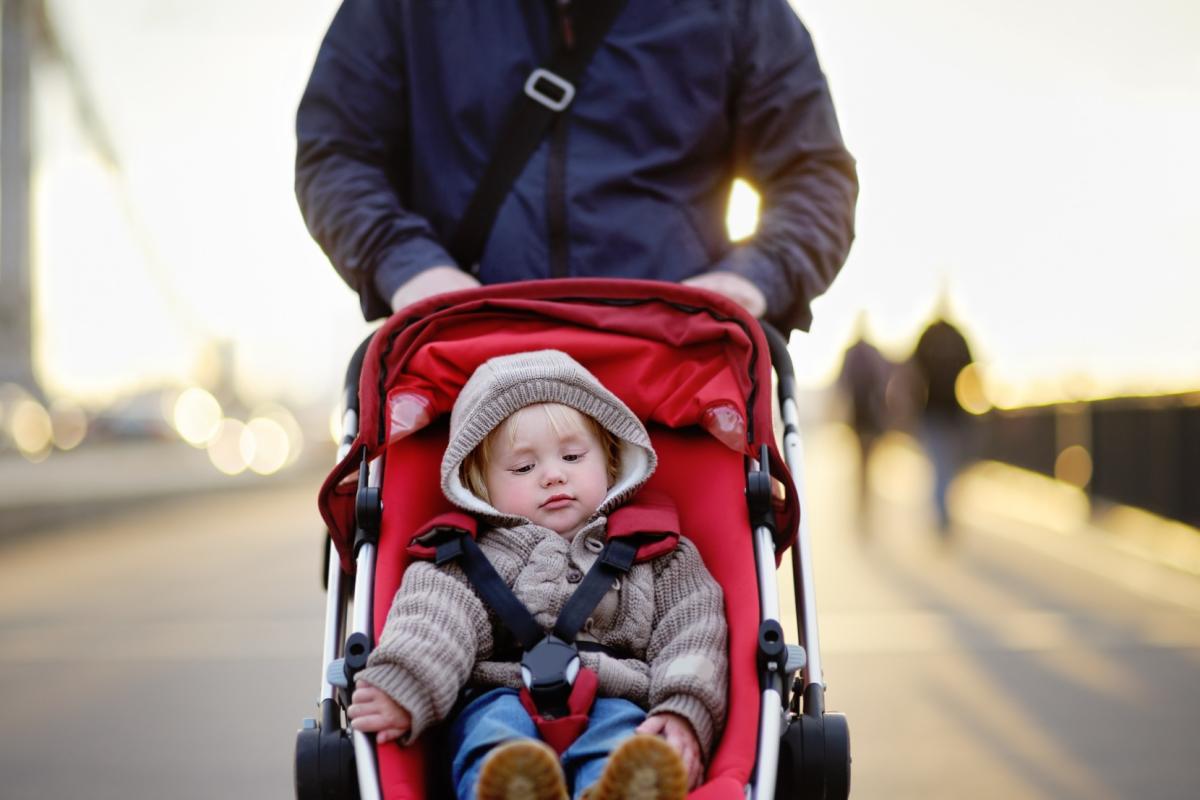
(521, 470)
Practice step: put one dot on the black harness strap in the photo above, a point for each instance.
(596, 647)
(491, 587)
(614, 561)
(550, 662)
(583, 646)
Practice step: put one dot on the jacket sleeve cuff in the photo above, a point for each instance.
(752, 264)
(403, 688)
(696, 714)
(403, 264)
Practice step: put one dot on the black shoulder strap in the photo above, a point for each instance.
(491, 587)
(548, 92)
(614, 561)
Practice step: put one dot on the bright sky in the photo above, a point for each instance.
(1037, 156)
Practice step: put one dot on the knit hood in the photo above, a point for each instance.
(504, 385)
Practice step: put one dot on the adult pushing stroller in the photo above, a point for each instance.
(697, 369)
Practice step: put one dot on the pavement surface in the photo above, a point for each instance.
(1033, 654)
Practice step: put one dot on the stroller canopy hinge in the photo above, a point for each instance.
(368, 509)
(772, 650)
(758, 493)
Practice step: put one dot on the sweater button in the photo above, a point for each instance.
(574, 576)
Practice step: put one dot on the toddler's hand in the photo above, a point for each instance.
(678, 733)
(372, 711)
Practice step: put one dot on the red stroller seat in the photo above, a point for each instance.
(697, 370)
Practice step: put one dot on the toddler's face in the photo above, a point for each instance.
(555, 476)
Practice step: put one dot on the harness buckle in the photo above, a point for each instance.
(548, 671)
(562, 90)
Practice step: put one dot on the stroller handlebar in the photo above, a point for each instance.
(781, 360)
(353, 371)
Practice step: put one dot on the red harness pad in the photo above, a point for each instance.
(561, 732)
(649, 514)
(450, 520)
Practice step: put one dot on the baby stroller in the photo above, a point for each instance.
(697, 369)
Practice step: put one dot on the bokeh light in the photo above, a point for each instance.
(226, 450)
(264, 445)
(197, 416)
(69, 425)
(31, 429)
(741, 220)
(291, 427)
(1074, 466)
(968, 388)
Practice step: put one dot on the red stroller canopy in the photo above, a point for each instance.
(677, 356)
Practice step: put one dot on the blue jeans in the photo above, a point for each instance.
(949, 444)
(497, 716)
(943, 440)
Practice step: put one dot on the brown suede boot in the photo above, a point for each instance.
(523, 769)
(642, 768)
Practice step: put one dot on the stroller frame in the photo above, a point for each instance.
(802, 752)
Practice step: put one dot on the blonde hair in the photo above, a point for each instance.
(563, 419)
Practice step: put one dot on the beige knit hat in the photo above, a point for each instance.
(504, 385)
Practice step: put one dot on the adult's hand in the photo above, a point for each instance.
(733, 286)
(435, 280)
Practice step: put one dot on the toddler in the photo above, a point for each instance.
(541, 453)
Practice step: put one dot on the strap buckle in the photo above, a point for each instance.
(566, 90)
(619, 554)
(449, 546)
(548, 672)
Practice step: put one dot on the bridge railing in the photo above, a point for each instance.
(1140, 451)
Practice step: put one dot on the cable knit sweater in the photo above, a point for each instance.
(665, 617)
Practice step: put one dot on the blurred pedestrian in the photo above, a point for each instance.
(941, 354)
(863, 383)
(409, 102)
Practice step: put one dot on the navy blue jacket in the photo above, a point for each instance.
(407, 98)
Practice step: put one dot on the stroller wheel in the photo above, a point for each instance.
(814, 759)
(324, 760)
